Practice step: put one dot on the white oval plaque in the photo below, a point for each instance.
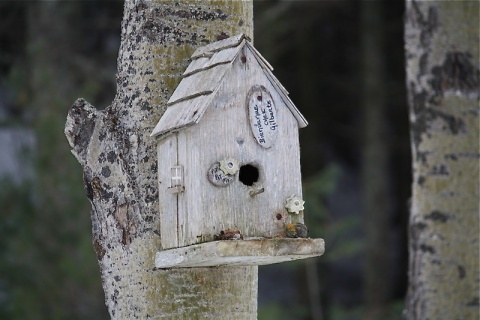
(263, 116)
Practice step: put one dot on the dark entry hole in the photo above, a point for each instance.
(248, 175)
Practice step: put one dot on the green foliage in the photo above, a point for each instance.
(394, 312)
(321, 225)
(315, 191)
(48, 268)
(15, 242)
(275, 311)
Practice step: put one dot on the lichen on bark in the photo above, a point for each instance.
(119, 163)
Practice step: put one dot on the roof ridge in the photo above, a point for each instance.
(218, 46)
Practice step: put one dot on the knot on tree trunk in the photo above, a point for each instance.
(81, 120)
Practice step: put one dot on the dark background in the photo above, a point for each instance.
(52, 53)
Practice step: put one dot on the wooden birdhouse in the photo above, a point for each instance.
(229, 177)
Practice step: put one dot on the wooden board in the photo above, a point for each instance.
(220, 57)
(218, 45)
(167, 151)
(200, 83)
(184, 114)
(240, 253)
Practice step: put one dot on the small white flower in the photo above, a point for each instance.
(295, 204)
(229, 166)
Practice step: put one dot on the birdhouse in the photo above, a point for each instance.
(229, 177)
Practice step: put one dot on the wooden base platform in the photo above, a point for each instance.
(257, 251)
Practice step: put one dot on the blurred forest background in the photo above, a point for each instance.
(343, 64)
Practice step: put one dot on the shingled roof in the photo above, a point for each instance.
(203, 77)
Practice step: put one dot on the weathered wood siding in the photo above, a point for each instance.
(167, 151)
(223, 132)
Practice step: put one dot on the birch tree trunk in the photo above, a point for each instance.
(443, 83)
(118, 158)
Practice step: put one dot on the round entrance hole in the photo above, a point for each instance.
(248, 174)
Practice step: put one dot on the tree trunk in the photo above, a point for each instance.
(443, 83)
(374, 165)
(118, 158)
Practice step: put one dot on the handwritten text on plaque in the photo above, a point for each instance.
(263, 116)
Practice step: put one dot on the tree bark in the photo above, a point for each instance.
(443, 82)
(118, 158)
